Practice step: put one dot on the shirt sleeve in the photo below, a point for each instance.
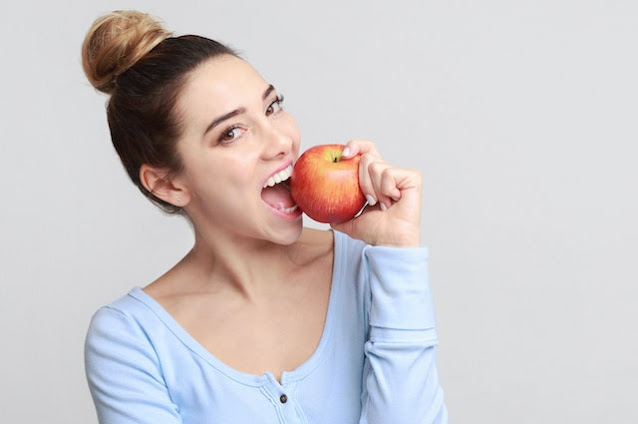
(400, 380)
(124, 374)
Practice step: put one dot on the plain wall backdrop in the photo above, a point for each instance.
(521, 115)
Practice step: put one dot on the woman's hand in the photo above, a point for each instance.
(394, 200)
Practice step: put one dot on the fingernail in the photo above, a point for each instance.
(370, 200)
(383, 206)
(346, 152)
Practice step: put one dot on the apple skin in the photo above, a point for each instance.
(325, 186)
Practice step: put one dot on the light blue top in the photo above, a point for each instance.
(375, 362)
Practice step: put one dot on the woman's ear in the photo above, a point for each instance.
(158, 182)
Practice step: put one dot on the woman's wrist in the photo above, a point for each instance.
(401, 236)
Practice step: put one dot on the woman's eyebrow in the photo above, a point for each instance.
(236, 112)
(223, 118)
(269, 90)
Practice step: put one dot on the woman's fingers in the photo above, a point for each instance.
(384, 187)
(377, 179)
(356, 147)
(395, 223)
(389, 185)
(366, 179)
(369, 154)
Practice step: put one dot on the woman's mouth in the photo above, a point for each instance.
(276, 192)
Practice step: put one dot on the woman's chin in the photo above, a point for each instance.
(289, 233)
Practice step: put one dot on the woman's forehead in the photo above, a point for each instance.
(226, 73)
(222, 82)
(216, 88)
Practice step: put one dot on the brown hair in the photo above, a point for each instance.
(131, 57)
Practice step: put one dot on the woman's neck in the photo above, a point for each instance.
(247, 266)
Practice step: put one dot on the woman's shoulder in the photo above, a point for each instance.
(131, 312)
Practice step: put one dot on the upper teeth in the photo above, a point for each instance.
(280, 176)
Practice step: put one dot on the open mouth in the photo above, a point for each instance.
(276, 191)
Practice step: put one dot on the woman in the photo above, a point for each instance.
(263, 321)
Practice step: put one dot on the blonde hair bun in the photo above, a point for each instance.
(115, 42)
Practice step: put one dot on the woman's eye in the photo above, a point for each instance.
(275, 106)
(231, 134)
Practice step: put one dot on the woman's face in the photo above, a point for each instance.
(236, 137)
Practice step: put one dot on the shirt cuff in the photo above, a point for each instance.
(401, 297)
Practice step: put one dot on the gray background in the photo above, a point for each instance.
(522, 116)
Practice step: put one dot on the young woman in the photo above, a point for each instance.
(263, 321)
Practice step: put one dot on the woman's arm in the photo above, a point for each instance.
(400, 382)
(124, 374)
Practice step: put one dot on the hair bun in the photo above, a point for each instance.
(115, 42)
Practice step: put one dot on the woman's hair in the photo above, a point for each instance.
(131, 57)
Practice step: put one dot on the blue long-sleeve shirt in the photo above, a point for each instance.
(375, 362)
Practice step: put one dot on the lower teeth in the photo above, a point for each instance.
(288, 210)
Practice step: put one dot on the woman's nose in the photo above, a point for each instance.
(278, 142)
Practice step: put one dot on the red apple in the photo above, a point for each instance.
(325, 186)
